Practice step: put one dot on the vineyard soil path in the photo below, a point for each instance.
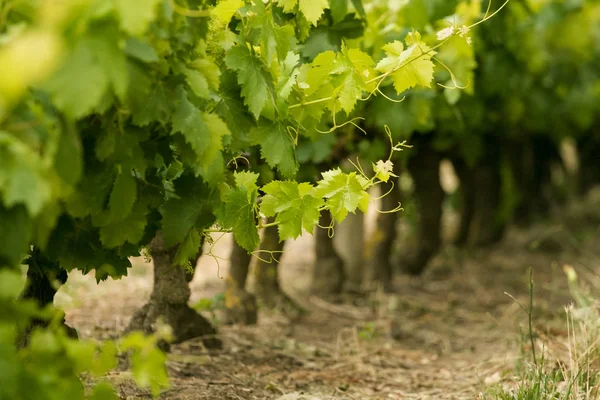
(447, 335)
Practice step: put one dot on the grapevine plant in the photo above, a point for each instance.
(122, 121)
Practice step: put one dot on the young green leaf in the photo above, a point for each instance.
(343, 192)
(294, 206)
(408, 67)
(312, 9)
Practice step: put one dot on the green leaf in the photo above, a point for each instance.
(104, 391)
(92, 192)
(314, 76)
(192, 209)
(225, 10)
(197, 82)
(136, 14)
(232, 111)
(358, 5)
(312, 9)
(188, 249)
(294, 206)
(16, 228)
(141, 50)
(203, 131)
(129, 229)
(11, 283)
(106, 358)
(105, 45)
(123, 195)
(237, 213)
(410, 67)
(95, 64)
(68, 159)
(23, 177)
(80, 84)
(276, 40)
(148, 100)
(277, 146)
(256, 83)
(287, 75)
(248, 180)
(343, 192)
(353, 69)
(384, 170)
(339, 9)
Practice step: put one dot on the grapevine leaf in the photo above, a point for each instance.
(123, 195)
(129, 229)
(225, 10)
(314, 76)
(238, 214)
(76, 245)
(92, 193)
(203, 131)
(339, 9)
(248, 180)
(67, 161)
(197, 82)
(148, 100)
(383, 170)
(232, 111)
(277, 146)
(408, 68)
(274, 39)
(294, 206)
(23, 178)
(253, 78)
(136, 14)
(80, 84)
(188, 249)
(358, 5)
(192, 209)
(141, 50)
(354, 69)
(287, 75)
(343, 192)
(16, 228)
(202, 75)
(105, 45)
(104, 391)
(312, 9)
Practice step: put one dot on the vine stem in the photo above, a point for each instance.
(260, 226)
(311, 102)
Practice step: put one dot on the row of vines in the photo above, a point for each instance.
(134, 128)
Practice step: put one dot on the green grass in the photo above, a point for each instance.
(571, 371)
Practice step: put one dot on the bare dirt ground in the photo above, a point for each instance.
(446, 335)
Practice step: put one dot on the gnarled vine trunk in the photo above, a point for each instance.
(266, 275)
(468, 191)
(240, 305)
(328, 274)
(487, 228)
(424, 167)
(381, 245)
(349, 241)
(169, 301)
